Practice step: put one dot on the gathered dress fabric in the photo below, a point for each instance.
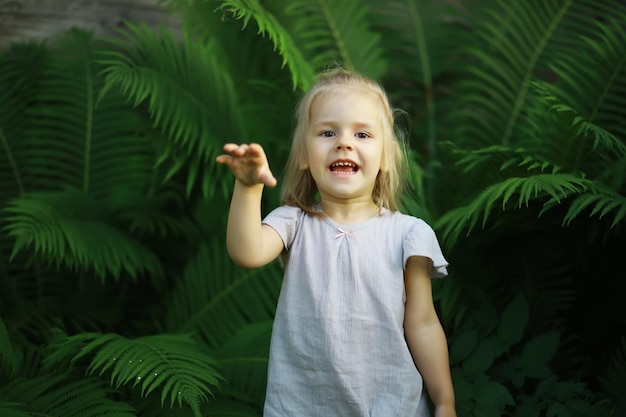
(338, 345)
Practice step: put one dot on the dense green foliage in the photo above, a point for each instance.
(117, 297)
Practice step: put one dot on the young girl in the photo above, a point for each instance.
(355, 328)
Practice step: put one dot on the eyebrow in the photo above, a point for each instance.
(365, 125)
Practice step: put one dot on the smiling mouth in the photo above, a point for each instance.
(344, 167)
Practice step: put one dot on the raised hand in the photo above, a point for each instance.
(248, 164)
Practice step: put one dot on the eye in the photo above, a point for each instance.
(327, 134)
(362, 135)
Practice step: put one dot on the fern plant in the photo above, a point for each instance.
(113, 211)
(85, 204)
(512, 106)
(107, 224)
(537, 137)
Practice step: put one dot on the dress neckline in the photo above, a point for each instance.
(345, 229)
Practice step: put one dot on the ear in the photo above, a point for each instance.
(303, 164)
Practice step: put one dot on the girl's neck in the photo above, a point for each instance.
(351, 212)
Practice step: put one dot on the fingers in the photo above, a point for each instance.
(248, 163)
(224, 159)
(233, 151)
(252, 150)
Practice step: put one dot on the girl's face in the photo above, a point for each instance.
(344, 144)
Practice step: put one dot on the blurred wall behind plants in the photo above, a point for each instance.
(117, 296)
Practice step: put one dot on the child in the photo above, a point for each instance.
(355, 319)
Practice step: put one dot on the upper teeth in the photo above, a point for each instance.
(344, 164)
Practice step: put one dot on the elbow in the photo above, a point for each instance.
(239, 260)
(244, 263)
(422, 319)
(244, 260)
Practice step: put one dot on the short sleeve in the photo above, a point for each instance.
(284, 220)
(421, 240)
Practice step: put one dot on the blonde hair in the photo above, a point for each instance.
(299, 188)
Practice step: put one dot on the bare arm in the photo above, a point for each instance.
(250, 244)
(425, 336)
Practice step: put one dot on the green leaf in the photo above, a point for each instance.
(338, 32)
(547, 387)
(12, 409)
(55, 396)
(8, 354)
(528, 408)
(491, 392)
(171, 363)
(301, 71)
(507, 371)
(212, 288)
(190, 96)
(244, 359)
(73, 229)
(539, 186)
(462, 346)
(481, 358)
(513, 320)
(539, 350)
(463, 388)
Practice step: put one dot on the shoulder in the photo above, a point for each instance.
(407, 223)
(285, 212)
(283, 215)
(286, 221)
(419, 239)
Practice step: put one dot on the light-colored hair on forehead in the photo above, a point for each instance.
(299, 189)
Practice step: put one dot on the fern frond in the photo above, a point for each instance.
(419, 40)
(244, 359)
(18, 92)
(12, 409)
(212, 288)
(171, 363)
(28, 324)
(591, 101)
(69, 143)
(416, 38)
(149, 215)
(515, 45)
(190, 96)
(506, 157)
(53, 396)
(264, 85)
(333, 32)
(504, 75)
(553, 186)
(9, 358)
(602, 138)
(71, 229)
(599, 201)
(483, 167)
(597, 93)
(302, 73)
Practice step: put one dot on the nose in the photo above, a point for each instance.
(344, 141)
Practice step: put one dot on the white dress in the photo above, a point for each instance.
(338, 346)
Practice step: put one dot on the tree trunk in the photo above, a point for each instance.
(24, 20)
